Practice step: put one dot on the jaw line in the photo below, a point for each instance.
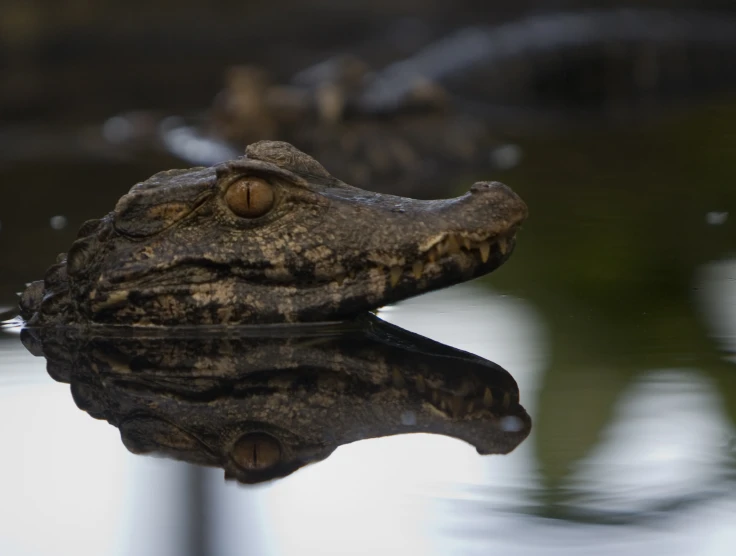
(435, 254)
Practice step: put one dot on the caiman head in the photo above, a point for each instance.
(270, 237)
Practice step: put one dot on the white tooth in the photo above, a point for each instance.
(451, 244)
(395, 275)
(502, 245)
(466, 243)
(417, 268)
(506, 400)
(432, 255)
(457, 406)
(485, 250)
(397, 379)
(488, 398)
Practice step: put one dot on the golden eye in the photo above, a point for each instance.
(256, 450)
(250, 197)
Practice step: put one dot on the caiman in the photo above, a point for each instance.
(265, 401)
(270, 237)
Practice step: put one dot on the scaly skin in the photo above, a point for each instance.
(175, 251)
(261, 402)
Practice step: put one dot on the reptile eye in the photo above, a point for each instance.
(250, 197)
(255, 451)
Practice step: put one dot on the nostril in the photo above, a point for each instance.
(504, 202)
(488, 186)
(495, 191)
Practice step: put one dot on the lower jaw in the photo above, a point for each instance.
(234, 301)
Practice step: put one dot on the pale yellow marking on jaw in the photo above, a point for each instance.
(223, 294)
(377, 283)
(382, 259)
(278, 273)
(317, 254)
(167, 211)
(286, 305)
(433, 409)
(113, 299)
(431, 242)
(224, 314)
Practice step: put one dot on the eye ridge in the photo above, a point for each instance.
(250, 197)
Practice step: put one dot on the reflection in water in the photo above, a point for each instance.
(263, 402)
(671, 448)
(716, 288)
(409, 494)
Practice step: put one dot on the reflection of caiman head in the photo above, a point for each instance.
(262, 403)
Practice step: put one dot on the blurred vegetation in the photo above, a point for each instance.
(71, 60)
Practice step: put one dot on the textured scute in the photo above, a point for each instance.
(161, 201)
(173, 251)
(80, 255)
(85, 252)
(56, 277)
(89, 228)
(286, 156)
(30, 301)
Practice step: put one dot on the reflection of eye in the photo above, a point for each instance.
(254, 451)
(250, 197)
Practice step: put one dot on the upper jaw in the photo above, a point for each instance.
(426, 246)
(439, 266)
(437, 243)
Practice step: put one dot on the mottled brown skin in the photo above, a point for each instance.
(263, 402)
(176, 250)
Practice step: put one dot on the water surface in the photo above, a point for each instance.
(616, 316)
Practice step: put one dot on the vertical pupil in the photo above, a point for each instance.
(256, 450)
(250, 197)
